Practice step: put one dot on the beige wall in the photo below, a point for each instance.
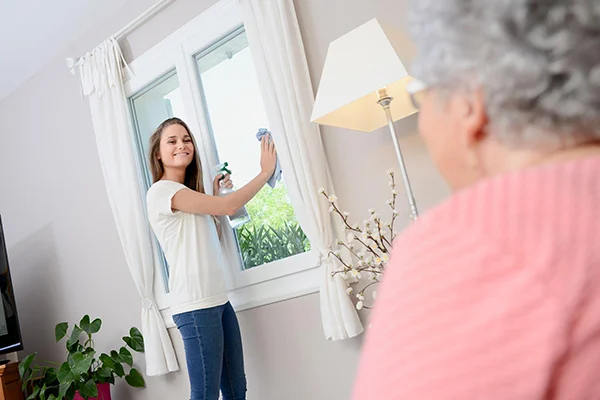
(65, 252)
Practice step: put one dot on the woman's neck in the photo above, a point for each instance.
(571, 154)
(508, 159)
(174, 174)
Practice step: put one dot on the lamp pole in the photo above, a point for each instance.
(385, 101)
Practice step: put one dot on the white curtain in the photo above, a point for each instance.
(278, 53)
(102, 82)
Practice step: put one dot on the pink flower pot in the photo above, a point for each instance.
(103, 393)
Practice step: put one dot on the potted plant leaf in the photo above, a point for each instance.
(85, 374)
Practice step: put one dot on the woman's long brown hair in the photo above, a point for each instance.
(193, 172)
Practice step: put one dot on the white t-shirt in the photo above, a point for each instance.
(191, 245)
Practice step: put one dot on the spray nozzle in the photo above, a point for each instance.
(223, 168)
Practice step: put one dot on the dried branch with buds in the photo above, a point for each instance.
(366, 250)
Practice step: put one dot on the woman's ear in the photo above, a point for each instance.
(475, 127)
(475, 118)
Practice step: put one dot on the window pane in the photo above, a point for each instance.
(159, 101)
(236, 112)
(155, 103)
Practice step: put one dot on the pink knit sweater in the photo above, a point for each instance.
(494, 295)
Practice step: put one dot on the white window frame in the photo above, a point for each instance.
(284, 279)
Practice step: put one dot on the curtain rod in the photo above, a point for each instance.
(142, 19)
(127, 29)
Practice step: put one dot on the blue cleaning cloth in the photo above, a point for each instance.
(277, 174)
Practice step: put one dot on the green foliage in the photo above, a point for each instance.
(61, 330)
(273, 232)
(135, 340)
(82, 371)
(271, 207)
(264, 244)
(135, 379)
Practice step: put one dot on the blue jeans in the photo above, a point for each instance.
(213, 350)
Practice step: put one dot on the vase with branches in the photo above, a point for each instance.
(366, 249)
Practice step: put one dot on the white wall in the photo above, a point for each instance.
(65, 253)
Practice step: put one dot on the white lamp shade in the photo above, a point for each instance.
(358, 64)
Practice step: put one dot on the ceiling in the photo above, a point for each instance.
(32, 32)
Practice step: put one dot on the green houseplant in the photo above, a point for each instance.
(84, 374)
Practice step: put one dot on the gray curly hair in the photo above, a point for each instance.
(537, 62)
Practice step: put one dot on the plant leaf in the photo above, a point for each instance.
(115, 356)
(70, 358)
(89, 389)
(25, 365)
(86, 324)
(83, 364)
(35, 393)
(43, 392)
(135, 344)
(64, 373)
(119, 370)
(135, 379)
(107, 361)
(61, 331)
(74, 348)
(88, 351)
(136, 334)
(96, 325)
(50, 375)
(135, 340)
(64, 387)
(70, 393)
(75, 334)
(105, 372)
(75, 358)
(126, 356)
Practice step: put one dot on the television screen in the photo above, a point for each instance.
(10, 333)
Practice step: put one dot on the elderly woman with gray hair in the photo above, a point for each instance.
(495, 294)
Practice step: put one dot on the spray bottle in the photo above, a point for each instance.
(241, 216)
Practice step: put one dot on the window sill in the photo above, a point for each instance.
(268, 292)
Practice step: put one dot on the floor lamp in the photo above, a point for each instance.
(363, 85)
